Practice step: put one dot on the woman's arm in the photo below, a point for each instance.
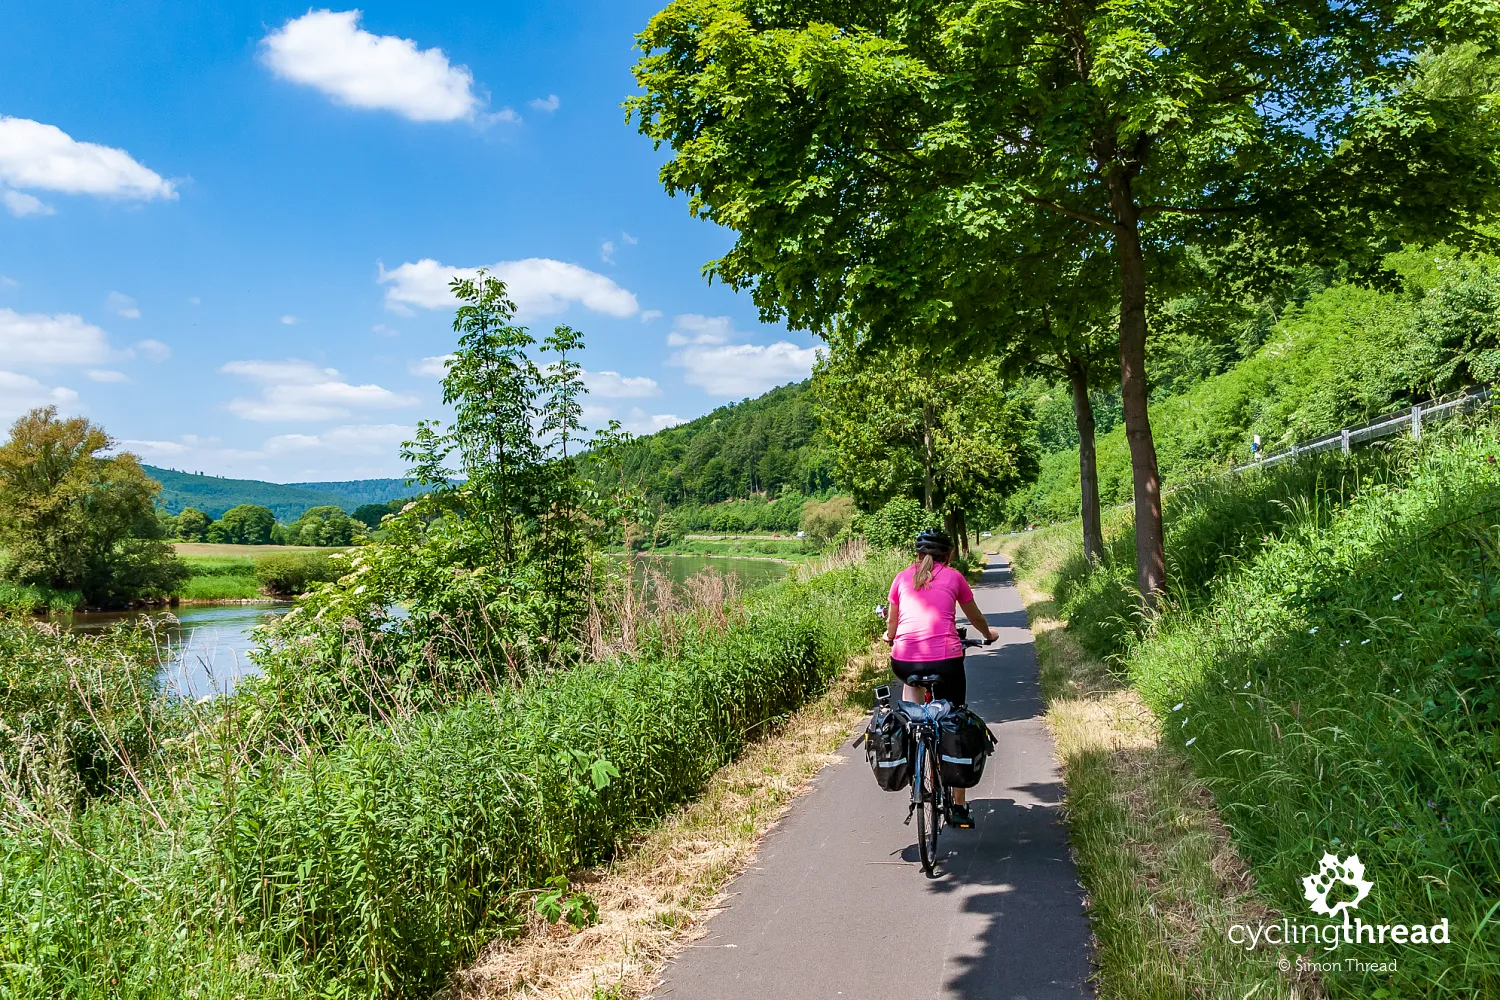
(976, 618)
(892, 619)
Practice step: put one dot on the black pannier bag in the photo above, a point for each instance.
(964, 743)
(887, 749)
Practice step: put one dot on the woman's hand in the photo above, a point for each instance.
(990, 635)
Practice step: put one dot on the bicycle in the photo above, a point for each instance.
(930, 798)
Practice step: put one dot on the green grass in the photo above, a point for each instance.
(791, 550)
(275, 844)
(1326, 665)
(220, 578)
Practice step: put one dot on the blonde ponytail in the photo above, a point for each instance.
(923, 575)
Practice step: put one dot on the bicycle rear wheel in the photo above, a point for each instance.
(929, 808)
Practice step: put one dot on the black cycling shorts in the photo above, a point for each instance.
(953, 686)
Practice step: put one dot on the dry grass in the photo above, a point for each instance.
(659, 895)
(1163, 878)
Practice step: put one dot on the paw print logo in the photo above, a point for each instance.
(1350, 871)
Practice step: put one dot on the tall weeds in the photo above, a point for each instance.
(362, 832)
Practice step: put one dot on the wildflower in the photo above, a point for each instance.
(1344, 643)
(1313, 630)
(1191, 742)
(1247, 685)
(1365, 642)
(1185, 722)
(1396, 598)
(1178, 707)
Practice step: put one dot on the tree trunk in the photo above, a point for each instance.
(1150, 556)
(962, 524)
(1088, 469)
(928, 447)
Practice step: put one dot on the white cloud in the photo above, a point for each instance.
(349, 439)
(735, 371)
(628, 239)
(106, 375)
(548, 104)
(300, 390)
(154, 449)
(650, 314)
(613, 385)
(539, 286)
(44, 157)
(329, 51)
(384, 330)
(6, 281)
(122, 305)
(607, 251)
(290, 320)
(721, 367)
(152, 350)
(431, 367)
(20, 393)
(690, 328)
(21, 205)
(195, 301)
(636, 421)
(61, 339)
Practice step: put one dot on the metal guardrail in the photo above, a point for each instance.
(1397, 422)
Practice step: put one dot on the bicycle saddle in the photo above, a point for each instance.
(923, 680)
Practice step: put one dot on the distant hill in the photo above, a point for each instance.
(363, 491)
(214, 495)
(768, 445)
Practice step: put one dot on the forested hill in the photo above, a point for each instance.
(214, 495)
(771, 444)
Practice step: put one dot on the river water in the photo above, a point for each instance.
(206, 651)
(209, 647)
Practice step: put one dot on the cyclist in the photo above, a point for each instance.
(922, 633)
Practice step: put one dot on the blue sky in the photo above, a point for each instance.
(226, 229)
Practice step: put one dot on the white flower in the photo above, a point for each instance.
(1191, 742)
(1246, 687)
(1185, 722)
(1178, 707)
(1366, 642)
(1396, 598)
(1313, 630)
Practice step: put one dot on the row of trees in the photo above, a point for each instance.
(1025, 182)
(252, 524)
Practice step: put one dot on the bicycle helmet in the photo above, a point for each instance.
(934, 542)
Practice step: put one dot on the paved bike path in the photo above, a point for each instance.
(835, 904)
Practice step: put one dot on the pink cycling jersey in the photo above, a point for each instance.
(925, 629)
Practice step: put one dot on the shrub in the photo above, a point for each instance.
(825, 521)
(287, 574)
(895, 526)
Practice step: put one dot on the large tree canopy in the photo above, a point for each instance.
(72, 518)
(928, 167)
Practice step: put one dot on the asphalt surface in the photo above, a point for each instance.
(836, 905)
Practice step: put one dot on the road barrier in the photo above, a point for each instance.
(1397, 422)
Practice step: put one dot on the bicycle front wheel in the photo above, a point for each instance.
(929, 808)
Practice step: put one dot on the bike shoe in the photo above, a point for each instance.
(960, 817)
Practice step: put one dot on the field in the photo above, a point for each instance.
(190, 550)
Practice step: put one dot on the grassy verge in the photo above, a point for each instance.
(1164, 881)
(1325, 666)
(792, 550)
(658, 896)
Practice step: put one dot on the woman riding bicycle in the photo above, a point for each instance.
(923, 635)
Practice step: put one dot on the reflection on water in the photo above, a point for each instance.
(751, 573)
(206, 651)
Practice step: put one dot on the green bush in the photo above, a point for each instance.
(895, 526)
(287, 574)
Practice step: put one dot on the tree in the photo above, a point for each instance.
(245, 524)
(72, 519)
(326, 526)
(844, 142)
(948, 435)
(192, 525)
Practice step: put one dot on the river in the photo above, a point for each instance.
(209, 647)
